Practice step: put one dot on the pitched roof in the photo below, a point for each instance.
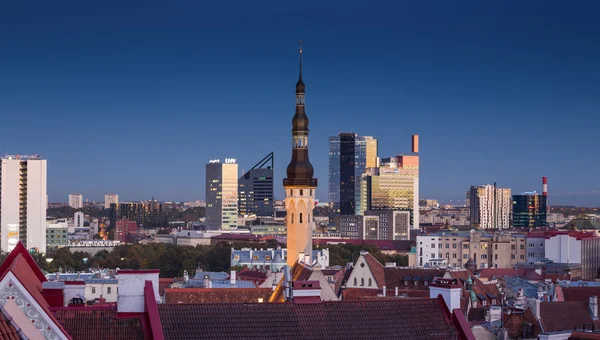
(353, 294)
(397, 277)
(255, 276)
(387, 319)
(20, 263)
(552, 315)
(583, 223)
(99, 323)
(581, 294)
(376, 269)
(7, 330)
(211, 295)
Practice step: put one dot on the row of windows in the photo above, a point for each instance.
(108, 290)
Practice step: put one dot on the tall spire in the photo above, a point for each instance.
(300, 170)
(300, 88)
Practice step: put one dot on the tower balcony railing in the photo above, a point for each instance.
(309, 182)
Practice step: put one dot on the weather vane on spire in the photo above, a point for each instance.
(300, 46)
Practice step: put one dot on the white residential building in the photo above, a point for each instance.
(110, 198)
(76, 201)
(78, 219)
(23, 202)
(490, 207)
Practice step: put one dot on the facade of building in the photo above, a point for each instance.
(568, 247)
(221, 194)
(349, 156)
(485, 250)
(23, 202)
(271, 259)
(110, 198)
(57, 235)
(255, 189)
(529, 210)
(299, 184)
(490, 206)
(78, 219)
(394, 185)
(76, 201)
(145, 214)
(125, 231)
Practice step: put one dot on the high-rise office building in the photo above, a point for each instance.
(76, 201)
(255, 189)
(299, 184)
(529, 210)
(23, 202)
(110, 199)
(394, 186)
(221, 194)
(490, 206)
(349, 156)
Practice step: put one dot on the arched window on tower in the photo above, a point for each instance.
(300, 217)
(292, 217)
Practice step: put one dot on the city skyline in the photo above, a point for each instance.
(145, 110)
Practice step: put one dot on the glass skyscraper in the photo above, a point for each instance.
(529, 210)
(255, 189)
(349, 155)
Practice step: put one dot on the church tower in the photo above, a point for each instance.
(299, 185)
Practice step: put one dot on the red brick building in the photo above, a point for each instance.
(125, 231)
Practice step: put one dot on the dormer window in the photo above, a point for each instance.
(406, 283)
(416, 283)
(426, 283)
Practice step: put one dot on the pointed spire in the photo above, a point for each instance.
(300, 88)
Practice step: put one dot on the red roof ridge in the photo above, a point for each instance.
(377, 269)
(21, 250)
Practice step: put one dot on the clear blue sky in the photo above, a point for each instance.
(136, 97)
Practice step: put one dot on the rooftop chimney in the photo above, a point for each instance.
(384, 291)
(131, 289)
(449, 289)
(307, 292)
(396, 292)
(207, 281)
(594, 307)
(545, 186)
(233, 277)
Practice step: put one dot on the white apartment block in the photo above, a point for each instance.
(78, 219)
(109, 199)
(23, 202)
(76, 201)
(490, 207)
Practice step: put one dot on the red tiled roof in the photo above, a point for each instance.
(381, 319)
(7, 330)
(354, 294)
(377, 270)
(164, 283)
(395, 277)
(526, 273)
(252, 275)
(95, 323)
(385, 245)
(558, 316)
(216, 295)
(581, 294)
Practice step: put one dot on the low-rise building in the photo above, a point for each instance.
(485, 249)
(270, 258)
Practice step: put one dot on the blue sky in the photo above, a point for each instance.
(136, 97)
